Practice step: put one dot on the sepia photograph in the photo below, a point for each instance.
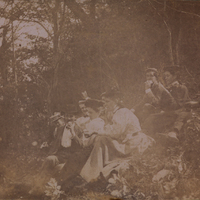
(100, 99)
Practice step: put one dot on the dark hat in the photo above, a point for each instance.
(93, 103)
(112, 93)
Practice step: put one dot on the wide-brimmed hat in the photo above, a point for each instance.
(56, 116)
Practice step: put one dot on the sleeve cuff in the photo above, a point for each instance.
(147, 91)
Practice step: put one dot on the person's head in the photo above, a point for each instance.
(111, 99)
(93, 107)
(152, 75)
(170, 75)
(82, 106)
(57, 119)
(60, 122)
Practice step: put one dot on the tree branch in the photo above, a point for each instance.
(78, 11)
(169, 31)
(62, 20)
(38, 22)
(181, 11)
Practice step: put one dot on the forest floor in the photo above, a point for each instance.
(167, 171)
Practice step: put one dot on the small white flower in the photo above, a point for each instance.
(116, 193)
(112, 181)
(58, 187)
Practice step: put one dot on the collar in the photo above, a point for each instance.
(116, 109)
(174, 84)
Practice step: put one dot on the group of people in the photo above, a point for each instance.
(107, 133)
(163, 107)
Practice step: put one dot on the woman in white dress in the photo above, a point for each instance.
(122, 137)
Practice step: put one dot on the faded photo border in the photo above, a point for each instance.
(99, 99)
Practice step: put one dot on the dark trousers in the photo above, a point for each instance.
(50, 167)
(182, 117)
(160, 122)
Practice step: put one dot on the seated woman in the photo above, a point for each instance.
(121, 138)
(96, 124)
(93, 127)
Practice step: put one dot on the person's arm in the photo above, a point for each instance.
(138, 107)
(150, 95)
(124, 122)
(153, 99)
(167, 102)
(186, 97)
(117, 127)
(74, 135)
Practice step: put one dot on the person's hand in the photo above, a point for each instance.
(44, 144)
(127, 138)
(148, 84)
(86, 133)
(70, 124)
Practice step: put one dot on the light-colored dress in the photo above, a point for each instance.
(119, 140)
(92, 128)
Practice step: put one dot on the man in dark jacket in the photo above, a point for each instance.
(63, 148)
(180, 94)
(58, 154)
(156, 99)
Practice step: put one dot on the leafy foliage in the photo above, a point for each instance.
(92, 45)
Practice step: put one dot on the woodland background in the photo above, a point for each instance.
(73, 46)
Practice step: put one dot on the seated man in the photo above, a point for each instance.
(156, 99)
(56, 156)
(63, 146)
(180, 94)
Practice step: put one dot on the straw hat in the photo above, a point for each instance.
(56, 116)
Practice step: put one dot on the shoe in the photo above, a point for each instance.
(169, 139)
(79, 182)
(173, 135)
(83, 185)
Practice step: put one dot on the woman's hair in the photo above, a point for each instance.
(174, 71)
(115, 95)
(94, 104)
